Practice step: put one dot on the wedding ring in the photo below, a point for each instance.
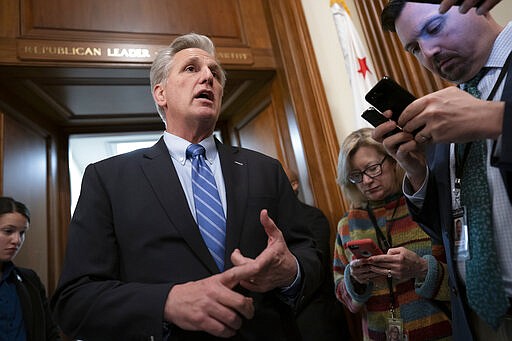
(389, 273)
(424, 138)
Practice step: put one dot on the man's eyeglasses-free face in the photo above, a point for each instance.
(372, 171)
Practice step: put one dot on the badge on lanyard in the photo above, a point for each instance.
(395, 330)
(460, 234)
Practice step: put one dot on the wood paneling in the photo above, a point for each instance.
(9, 18)
(9, 29)
(235, 26)
(44, 65)
(260, 133)
(107, 20)
(25, 166)
(259, 125)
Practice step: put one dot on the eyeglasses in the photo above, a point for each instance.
(372, 171)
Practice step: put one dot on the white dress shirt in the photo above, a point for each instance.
(177, 149)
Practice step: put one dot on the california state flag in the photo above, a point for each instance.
(359, 66)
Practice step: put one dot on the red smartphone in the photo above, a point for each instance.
(363, 248)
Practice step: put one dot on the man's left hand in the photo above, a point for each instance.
(275, 267)
(484, 6)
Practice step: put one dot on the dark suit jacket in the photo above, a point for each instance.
(436, 212)
(504, 161)
(322, 317)
(132, 237)
(34, 304)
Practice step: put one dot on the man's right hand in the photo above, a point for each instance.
(405, 150)
(484, 6)
(210, 304)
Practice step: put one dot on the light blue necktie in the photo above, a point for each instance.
(484, 283)
(209, 211)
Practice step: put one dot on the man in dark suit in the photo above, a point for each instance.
(323, 314)
(458, 47)
(138, 267)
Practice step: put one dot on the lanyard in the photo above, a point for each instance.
(381, 239)
(459, 163)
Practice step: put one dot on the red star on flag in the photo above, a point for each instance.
(363, 67)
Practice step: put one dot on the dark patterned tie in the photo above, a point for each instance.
(209, 211)
(484, 284)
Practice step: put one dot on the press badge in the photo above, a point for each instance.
(395, 330)
(460, 234)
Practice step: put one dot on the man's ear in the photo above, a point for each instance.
(159, 95)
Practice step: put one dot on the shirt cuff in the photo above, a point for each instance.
(293, 289)
(428, 287)
(360, 298)
(417, 198)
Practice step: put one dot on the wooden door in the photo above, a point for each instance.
(24, 178)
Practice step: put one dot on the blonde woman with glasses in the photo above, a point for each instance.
(405, 288)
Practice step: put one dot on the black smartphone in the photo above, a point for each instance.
(375, 118)
(388, 94)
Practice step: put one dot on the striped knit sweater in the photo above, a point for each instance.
(421, 306)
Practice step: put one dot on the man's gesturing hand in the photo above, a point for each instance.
(275, 267)
(210, 304)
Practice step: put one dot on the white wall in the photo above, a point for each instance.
(330, 58)
(503, 12)
(331, 64)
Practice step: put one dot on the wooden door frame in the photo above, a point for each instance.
(306, 106)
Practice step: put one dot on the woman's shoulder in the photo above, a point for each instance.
(28, 274)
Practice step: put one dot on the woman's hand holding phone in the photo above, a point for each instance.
(361, 268)
(370, 264)
(401, 263)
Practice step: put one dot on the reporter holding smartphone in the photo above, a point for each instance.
(459, 166)
(406, 288)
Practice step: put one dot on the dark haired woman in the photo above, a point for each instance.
(24, 313)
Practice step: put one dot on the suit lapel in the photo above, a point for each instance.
(440, 166)
(506, 137)
(161, 174)
(236, 179)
